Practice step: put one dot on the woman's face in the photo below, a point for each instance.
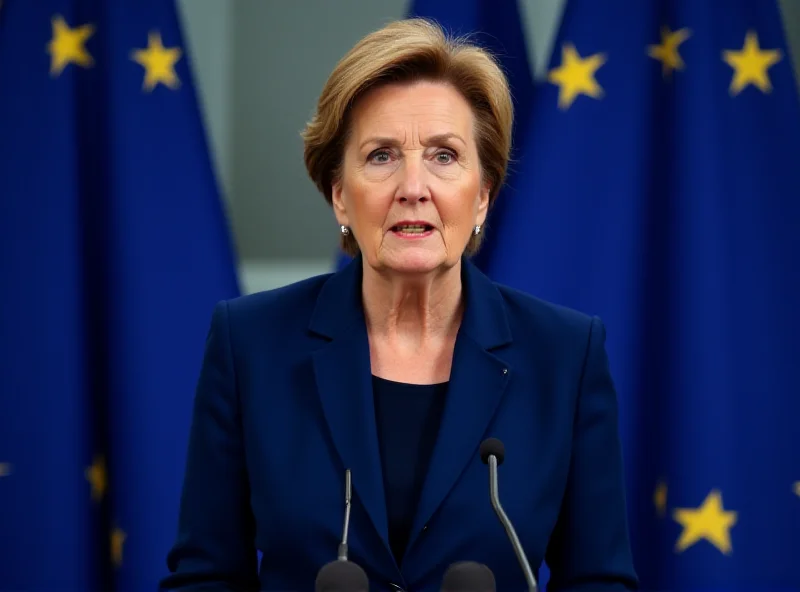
(411, 188)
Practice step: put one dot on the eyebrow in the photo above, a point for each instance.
(436, 139)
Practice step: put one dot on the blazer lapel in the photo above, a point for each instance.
(478, 379)
(344, 383)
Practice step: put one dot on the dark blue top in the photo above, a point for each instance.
(408, 417)
(530, 373)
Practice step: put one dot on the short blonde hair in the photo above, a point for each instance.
(407, 51)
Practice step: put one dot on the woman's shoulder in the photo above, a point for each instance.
(531, 315)
(279, 307)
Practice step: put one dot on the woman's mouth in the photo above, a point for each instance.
(415, 230)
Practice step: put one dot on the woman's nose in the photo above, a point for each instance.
(413, 185)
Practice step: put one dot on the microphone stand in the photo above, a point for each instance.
(348, 496)
(495, 497)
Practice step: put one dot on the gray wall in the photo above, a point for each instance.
(260, 65)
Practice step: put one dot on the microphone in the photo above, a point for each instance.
(493, 453)
(343, 575)
(468, 576)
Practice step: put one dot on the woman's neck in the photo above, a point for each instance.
(410, 311)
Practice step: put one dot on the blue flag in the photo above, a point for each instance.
(115, 250)
(661, 193)
(499, 28)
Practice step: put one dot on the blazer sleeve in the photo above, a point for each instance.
(589, 550)
(215, 545)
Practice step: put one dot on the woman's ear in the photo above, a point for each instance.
(337, 200)
(483, 204)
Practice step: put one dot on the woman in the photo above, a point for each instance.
(397, 367)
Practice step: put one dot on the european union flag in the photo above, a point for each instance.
(661, 193)
(498, 27)
(115, 250)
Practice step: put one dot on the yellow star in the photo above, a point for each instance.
(158, 62)
(98, 477)
(796, 488)
(118, 537)
(67, 46)
(750, 65)
(576, 76)
(660, 498)
(5, 469)
(667, 52)
(710, 521)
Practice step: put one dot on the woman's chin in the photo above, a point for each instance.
(413, 261)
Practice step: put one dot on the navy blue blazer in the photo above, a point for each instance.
(284, 405)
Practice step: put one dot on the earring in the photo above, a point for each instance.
(345, 230)
(477, 230)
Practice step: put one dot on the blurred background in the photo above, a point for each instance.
(260, 66)
(151, 165)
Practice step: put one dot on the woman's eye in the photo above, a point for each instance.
(445, 157)
(380, 156)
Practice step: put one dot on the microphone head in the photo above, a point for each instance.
(468, 576)
(493, 447)
(341, 576)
